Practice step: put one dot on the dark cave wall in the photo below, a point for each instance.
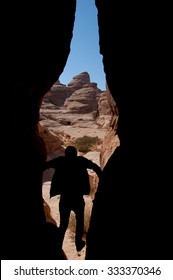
(132, 209)
(36, 45)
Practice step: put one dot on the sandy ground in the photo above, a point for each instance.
(68, 244)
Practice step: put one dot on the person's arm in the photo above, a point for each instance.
(51, 164)
(91, 165)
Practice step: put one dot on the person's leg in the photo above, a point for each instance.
(79, 211)
(64, 210)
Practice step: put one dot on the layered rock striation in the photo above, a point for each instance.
(77, 109)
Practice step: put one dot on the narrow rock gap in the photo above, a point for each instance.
(69, 112)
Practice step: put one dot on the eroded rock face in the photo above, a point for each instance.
(84, 100)
(111, 140)
(85, 112)
(58, 94)
(79, 81)
(52, 141)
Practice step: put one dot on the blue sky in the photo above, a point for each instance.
(84, 54)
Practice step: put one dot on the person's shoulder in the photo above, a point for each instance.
(83, 159)
(59, 158)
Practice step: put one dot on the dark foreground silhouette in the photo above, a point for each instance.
(51, 248)
(71, 181)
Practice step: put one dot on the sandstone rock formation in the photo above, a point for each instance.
(78, 109)
(52, 141)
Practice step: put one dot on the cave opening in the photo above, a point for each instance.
(75, 111)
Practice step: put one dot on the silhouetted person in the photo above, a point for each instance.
(71, 181)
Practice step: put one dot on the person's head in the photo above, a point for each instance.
(71, 152)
